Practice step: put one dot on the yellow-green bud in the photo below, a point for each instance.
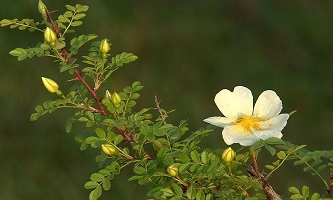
(107, 95)
(228, 155)
(116, 100)
(109, 149)
(157, 145)
(104, 47)
(50, 36)
(42, 9)
(172, 171)
(51, 85)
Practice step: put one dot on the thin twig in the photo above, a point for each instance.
(159, 110)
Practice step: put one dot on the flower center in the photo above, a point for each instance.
(248, 122)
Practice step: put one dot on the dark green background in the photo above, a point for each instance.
(188, 51)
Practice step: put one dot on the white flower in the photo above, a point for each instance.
(244, 124)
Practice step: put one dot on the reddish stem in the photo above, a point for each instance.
(267, 188)
(79, 77)
(93, 93)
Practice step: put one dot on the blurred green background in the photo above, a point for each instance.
(188, 51)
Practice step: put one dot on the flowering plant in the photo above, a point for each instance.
(163, 155)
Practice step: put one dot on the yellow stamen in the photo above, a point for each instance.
(248, 122)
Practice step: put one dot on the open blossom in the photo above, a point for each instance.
(244, 124)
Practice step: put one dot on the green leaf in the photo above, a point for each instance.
(34, 117)
(71, 8)
(83, 119)
(81, 8)
(96, 193)
(159, 132)
(68, 14)
(90, 115)
(258, 144)
(296, 196)
(204, 157)
(270, 167)
(274, 140)
(79, 16)
(315, 196)
(97, 177)
(135, 96)
(184, 167)
(320, 168)
(293, 190)
(298, 162)
(281, 155)
(139, 170)
(118, 139)
(168, 161)
(128, 89)
(298, 148)
(90, 185)
(6, 22)
(191, 192)
(200, 195)
(209, 197)
(20, 53)
(178, 190)
(144, 129)
(83, 146)
(305, 191)
(69, 124)
(134, 178)
(63, 19)
(106, 185)
(270, 149)
(100, 133)
(195, 156)
(76, 23)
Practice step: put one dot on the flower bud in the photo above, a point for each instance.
(228, 155)
(107, 95)
(50, 36)
(104, 47)
(109, 149)
(51, 85)
(116, 100)
(42, 9)
(172, 171)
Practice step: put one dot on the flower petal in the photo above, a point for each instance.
(219, 121)
(268, 105)
(235, 104)
(266, 134)
(232, 134)
(272, 127)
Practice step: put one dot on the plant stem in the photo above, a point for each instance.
(253, 171)
(66, 58)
